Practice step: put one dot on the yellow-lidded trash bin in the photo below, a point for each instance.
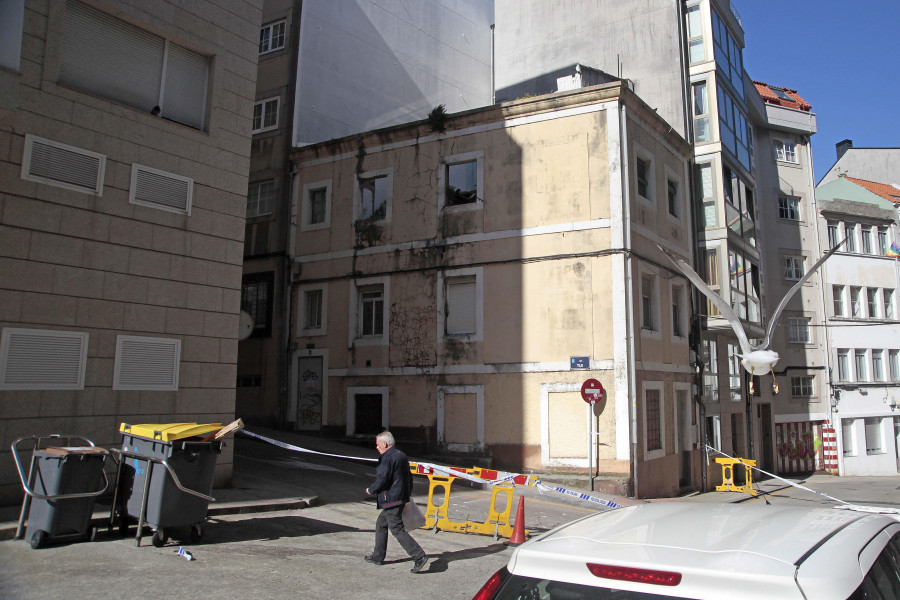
(165, 477)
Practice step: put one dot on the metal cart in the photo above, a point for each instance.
(164, 478)
(60, 487)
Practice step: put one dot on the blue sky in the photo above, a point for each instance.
(842, 57)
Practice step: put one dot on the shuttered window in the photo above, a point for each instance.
(47, 161)
(159, 189)
(145, 363)
(108, 57)
(42, 359)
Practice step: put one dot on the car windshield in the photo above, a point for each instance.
(518, 587)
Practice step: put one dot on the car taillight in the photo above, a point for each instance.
(636, 575)
(492, 585)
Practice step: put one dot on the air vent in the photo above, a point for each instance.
(145, 363)
(41, 359)
(159, 189)
(53, 163)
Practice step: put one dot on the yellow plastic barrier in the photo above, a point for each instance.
(438, 519)
(728, 484)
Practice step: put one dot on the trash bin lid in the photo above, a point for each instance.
(65, 450)
(168, 432)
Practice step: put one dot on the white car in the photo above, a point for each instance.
(712, 551)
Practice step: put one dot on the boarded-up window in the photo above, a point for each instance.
(461, 297)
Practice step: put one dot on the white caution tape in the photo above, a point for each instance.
(287, 446)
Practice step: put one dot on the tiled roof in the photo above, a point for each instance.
(886, 191)
(770, 97)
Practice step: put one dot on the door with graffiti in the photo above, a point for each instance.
(799, 447)
(309, 393)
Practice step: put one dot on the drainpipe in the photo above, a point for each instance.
(493, 81)
(288, 344)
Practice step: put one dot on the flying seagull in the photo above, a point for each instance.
(759, 358)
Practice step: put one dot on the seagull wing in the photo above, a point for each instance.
(790, 293)
(717, 300)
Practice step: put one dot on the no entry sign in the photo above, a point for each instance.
(592, 391)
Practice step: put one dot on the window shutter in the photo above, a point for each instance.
(159, 189)
(39, 359)
(184, 96)
(461, 305)
(144, 363)
(108, 57)
(65, 166)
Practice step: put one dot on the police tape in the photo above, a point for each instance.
(489, 476)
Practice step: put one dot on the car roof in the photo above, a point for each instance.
(709, 544)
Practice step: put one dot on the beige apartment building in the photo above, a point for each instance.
(451, 275)
(124, 153)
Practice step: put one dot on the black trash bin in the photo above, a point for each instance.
(61, 490)
(165, 477)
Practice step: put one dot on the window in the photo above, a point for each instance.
(734, 372)
(789, 208)
(701, 113)
(674, 199)
(855, 304)
(877, 365)
(786, 151)
(843, 364)
(695, 34)
(793, 267)
(865, 236)
(271, 37)
(710, 376)
(256, 300)
(265, 115)
(837, 294)
(42, 359)
(802, 387)
(850, 234)
(882, 240)
(644, 178)
(872, 301)
(678, 312)
(798, 330)
(146, 363)
(709, 216)
(648, 302)
(315, 206)
(312, 313)
(371, 311)
(461, 180)
(312, 300)
(887, 299)
(249, 381)
(848, 436)
(654, 443)
(372, 196)
(833, 236)
(460, 311)
(12, 29)
(861, 364)
(107, 57)
(260, 197)
(874, 444)
(894, 364)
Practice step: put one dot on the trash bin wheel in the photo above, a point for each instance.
(196, 534)
(92, 534)
(159, 538)
(38, 538)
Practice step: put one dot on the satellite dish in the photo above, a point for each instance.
(245, 325)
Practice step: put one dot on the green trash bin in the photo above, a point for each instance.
(168, 470)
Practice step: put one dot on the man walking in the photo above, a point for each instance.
(392, 490)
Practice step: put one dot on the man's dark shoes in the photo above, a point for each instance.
(370, 558)
(419, 564)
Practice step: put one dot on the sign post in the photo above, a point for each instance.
(592, 392)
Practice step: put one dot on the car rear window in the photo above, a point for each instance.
(882, 582)
(518, 587)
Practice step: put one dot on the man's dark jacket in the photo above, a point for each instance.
(393, 482)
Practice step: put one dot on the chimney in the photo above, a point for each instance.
(842, 147)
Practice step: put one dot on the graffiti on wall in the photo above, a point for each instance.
(799, 446)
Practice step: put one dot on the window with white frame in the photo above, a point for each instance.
(696, 49)
(894, 364)
(42, 359)
(799, 330)
(315, 206)
(714, 431)
(370, 307)
(460, 304)
(874, 442)
(461, 180)
(843, 364)
(146, 363)
(877, 365)
(802, 387)
(786, 151)
(861, 359)
(373, 195)
(865, 238)
(371, 311)
(312, 300)
(111, 58)
(887, 299)
(271, 37)
(313, 310)
(701, 112)
(265, 115)
(644, 176)
(872, 302)
(793, 267)
(648, 302)
(837, 295)
(848, 436)
(734, 372)
(654, 418)
(260, 197)
(673, 198)
(679, 328)
(789, 208)
(709, 217)
(855, 302)
(850, 235)
(882, 240)
(834, 236)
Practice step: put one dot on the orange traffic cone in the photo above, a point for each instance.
(518, 536)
